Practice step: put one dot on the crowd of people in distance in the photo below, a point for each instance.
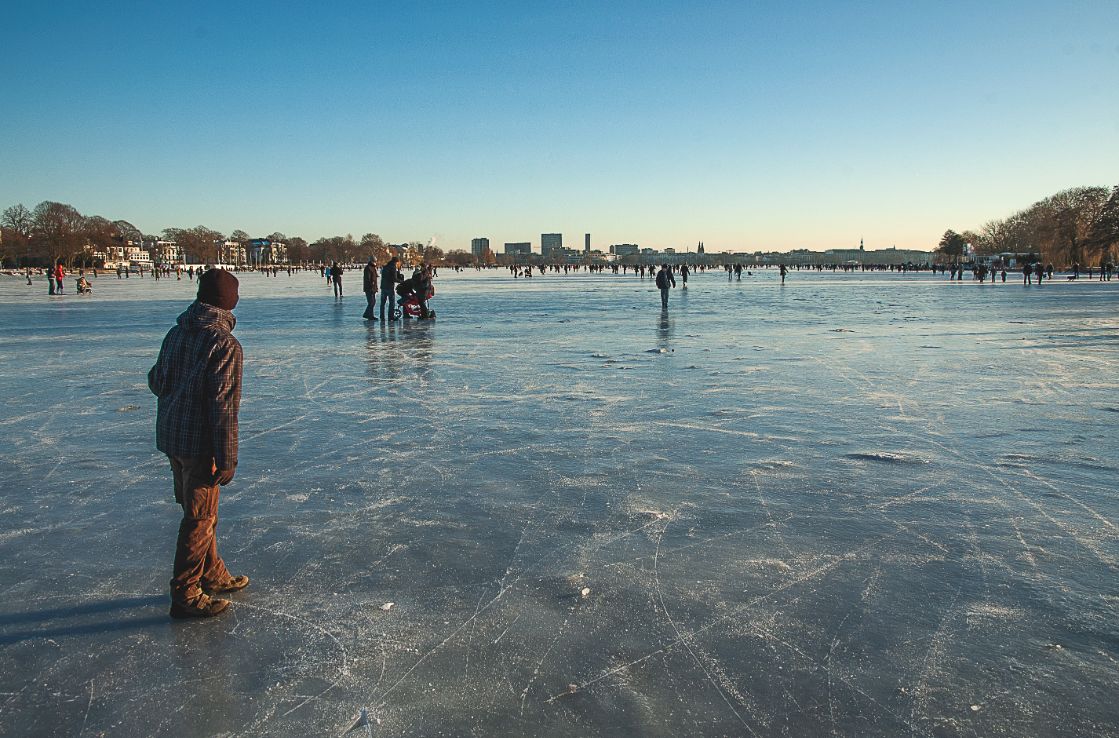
(402, 297)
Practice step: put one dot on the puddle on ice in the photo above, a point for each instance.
(910, 531)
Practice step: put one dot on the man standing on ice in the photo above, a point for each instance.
(664, 279)
(369, 286)
(197, 379)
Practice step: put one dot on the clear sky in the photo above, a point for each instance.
(746, 125)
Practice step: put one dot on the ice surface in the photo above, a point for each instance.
(854, 505)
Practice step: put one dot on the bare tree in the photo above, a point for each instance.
(433, 255)
(200, 243)
(100, 234)
(128, 232)
(16, 223)
(978, 242)
(57, 230)
(18, 218)
(1103, 236)
(334, 248)
(1072, 215)
(374, 246)
(297, 250)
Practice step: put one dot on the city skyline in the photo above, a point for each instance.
(750, 128)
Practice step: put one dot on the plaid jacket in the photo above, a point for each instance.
(197, 379)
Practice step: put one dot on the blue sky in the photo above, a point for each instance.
(745, 125)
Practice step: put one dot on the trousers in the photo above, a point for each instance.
(196, 549)
(388, 294)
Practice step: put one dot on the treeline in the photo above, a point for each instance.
(1075, 226)
(55, 230)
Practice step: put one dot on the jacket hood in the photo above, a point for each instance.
(201, 316)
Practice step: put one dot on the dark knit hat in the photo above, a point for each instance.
(218, 287)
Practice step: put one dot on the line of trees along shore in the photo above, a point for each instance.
(55, 231)
(1074, 226)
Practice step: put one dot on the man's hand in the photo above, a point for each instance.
(223, 477)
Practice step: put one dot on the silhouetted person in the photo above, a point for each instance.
(369, 287)
(665, 280)
(336, 278)
(390, 276)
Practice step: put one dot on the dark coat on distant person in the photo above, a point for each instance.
(369, 278)
(664, 278)
(197, 379)
(390, 275)
(406, 287)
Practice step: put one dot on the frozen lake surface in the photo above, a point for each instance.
(858, 505)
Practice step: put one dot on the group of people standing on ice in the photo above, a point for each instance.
(56, 276)
(392, 285)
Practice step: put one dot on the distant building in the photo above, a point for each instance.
(699, 249)
(265, 251)
(479, 247)
(163, 252)
(587, 243)
(232, 252)
(625, 249)
(137, 255)
(551, 243)
(519, 248)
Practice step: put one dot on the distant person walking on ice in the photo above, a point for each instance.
(336, 278)
(197, 379)
(664, 281)
(684, 276)
(369, 287)
(784, 271)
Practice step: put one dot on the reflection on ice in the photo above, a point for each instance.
(853, 505)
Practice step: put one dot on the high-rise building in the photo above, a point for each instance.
(550, 242)
(587, 244)
(478, 247)
(521, 247)
(625, 249)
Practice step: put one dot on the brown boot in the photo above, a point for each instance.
(229, 585)
(202, 606)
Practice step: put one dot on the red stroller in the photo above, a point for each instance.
(410, 306)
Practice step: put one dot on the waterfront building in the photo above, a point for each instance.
(519, 248)
(551, 244)
(232, 252)
(479, 247)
